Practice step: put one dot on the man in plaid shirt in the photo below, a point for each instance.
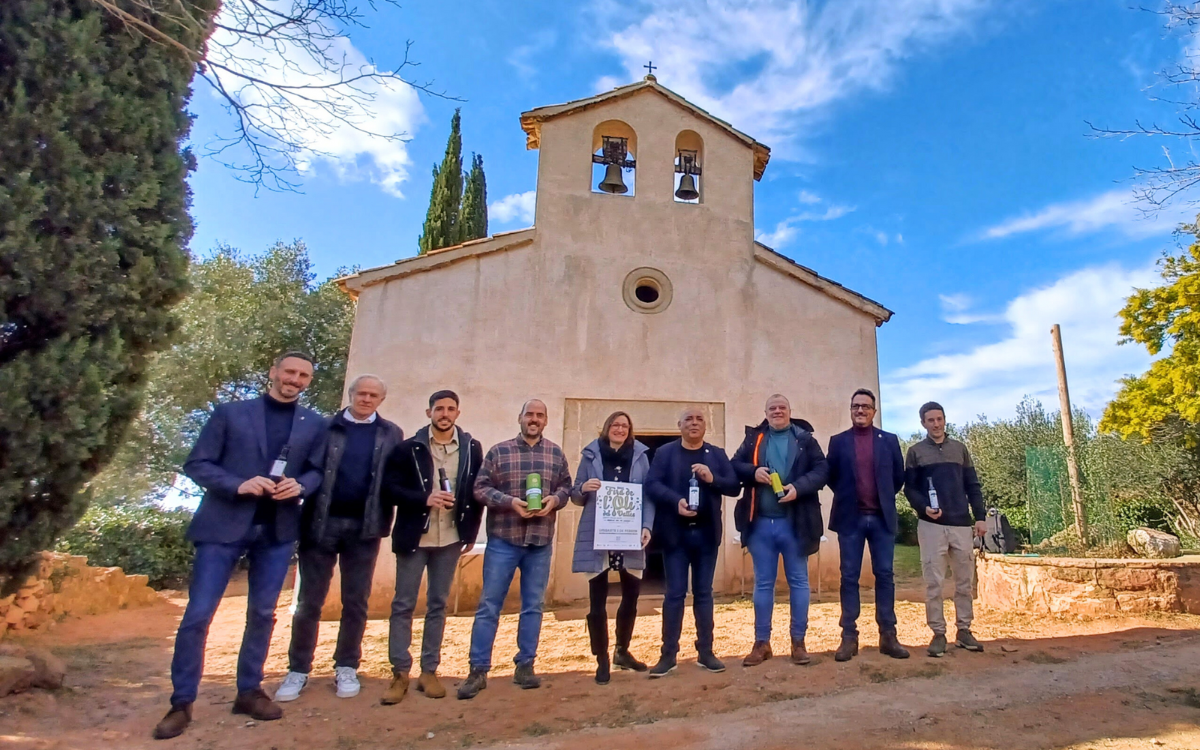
(518, 538)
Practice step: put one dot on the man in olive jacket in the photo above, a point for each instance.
(787, 523)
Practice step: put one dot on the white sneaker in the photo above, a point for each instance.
(291, 687)
(346, 679)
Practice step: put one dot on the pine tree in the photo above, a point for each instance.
(93, 236)
(473, 218)
(441, 221)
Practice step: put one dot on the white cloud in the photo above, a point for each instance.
(990, 378)
(955, 303)
(782, 234)
(829, 214)
(955, 309)
(807, 197)
(350, 144)
(1115, 210)
(786, 230)
(518, 206)
(768, 66)
(522, 57)
(881, 237)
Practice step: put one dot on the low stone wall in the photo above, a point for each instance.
(1064, 585)
(66, 585)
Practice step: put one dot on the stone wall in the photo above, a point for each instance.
(66, 585)
(1049, 585)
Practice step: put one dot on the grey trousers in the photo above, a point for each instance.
(441, 563)
(939, 545)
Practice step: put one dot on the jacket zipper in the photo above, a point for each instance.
(462, 473)
(420, 476)
(754, 487)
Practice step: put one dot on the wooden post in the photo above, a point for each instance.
(1064, 400)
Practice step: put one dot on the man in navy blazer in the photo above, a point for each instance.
(866, 470)
(245, 512)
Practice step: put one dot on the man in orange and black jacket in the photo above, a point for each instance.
(787, 523)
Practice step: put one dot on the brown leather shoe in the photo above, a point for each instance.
(847, 650)
(396, 691)
(889, 645)
(429, 684)
(173, 724)
(256, 705)
(799, 654)
(758, 654)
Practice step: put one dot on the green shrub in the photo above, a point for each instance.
(1150, 511)
(139, 539)
(906, 521)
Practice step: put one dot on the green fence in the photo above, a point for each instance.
(1049, 501)
(1048, 491)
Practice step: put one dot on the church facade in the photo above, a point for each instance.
(640, 301)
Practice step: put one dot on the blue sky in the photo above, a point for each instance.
(930, 154)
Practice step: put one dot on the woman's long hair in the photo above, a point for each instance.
(608, 425)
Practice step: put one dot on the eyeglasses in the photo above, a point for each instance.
(861, 407)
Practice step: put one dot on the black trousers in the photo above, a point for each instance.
(631, 587)
(342, 544)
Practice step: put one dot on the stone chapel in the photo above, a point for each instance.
(645, 299)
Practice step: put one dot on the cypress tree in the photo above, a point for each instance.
(93, 236)
(473, 219)
(441, 221)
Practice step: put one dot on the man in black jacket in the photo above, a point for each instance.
(433, 528)
(342, 525)
(782, 452)
(691, 538)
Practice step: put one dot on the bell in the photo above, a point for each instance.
(612, 182)
(687, 189)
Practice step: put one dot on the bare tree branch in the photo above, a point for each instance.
(287, 74)
(1158, 186)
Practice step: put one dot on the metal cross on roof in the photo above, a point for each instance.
(650, 67)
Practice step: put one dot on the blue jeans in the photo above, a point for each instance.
(695, 552)
(873, 532)
(501, 560)
(770, 538)
(211, 569)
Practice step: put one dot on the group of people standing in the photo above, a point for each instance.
(275, 473)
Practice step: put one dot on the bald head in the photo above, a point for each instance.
(534, 403)
(692, 426)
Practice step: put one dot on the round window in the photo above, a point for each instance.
(647, 290)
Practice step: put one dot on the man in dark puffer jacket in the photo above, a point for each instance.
(772, 525)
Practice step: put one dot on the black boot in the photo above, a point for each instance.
(622, 659)
(597, 626)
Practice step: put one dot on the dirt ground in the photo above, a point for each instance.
(1062, 684)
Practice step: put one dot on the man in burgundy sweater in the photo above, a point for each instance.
(866, 470)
